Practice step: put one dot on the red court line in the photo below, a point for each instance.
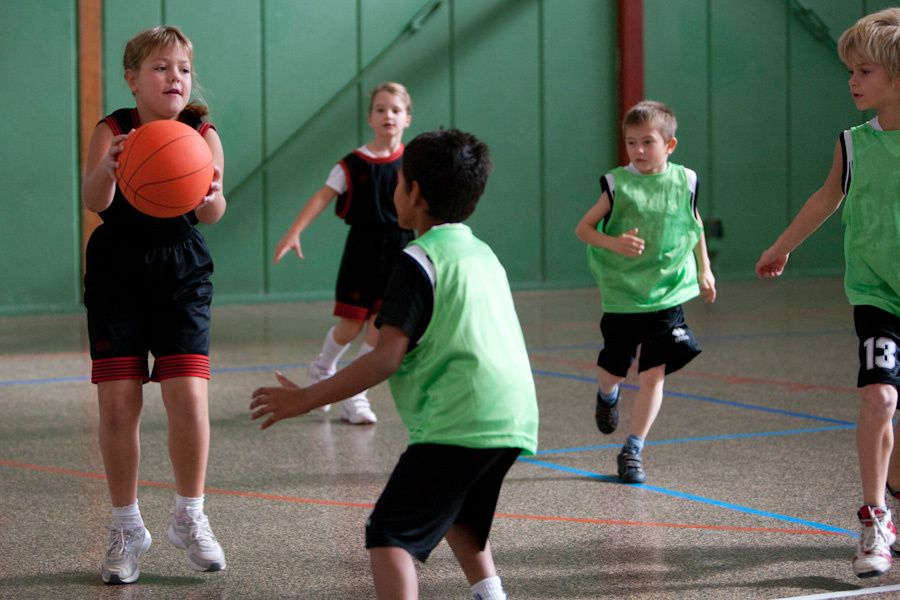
(344, 504)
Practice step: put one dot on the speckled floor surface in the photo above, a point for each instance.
(752, 489)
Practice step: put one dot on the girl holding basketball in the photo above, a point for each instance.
(148, 290)
(364, 182)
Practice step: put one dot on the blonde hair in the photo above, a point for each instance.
(874, 39)
(391, 87)
(150, 40)
(653, 113)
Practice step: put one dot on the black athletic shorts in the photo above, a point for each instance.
(148, 300)
(433, 487)
(879, 338)
(370, 254)
(663, 336)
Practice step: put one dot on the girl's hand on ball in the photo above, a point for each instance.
(214, 188)
(111, 162)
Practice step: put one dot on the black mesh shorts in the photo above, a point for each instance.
(370, 254)
(148, 300)
(436, 486)
(879, 338)
(663, 336)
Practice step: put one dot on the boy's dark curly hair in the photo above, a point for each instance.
(451, 168)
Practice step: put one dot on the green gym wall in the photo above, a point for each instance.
(757, 86)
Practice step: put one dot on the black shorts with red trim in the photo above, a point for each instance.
(432, 488)
(144, 301)
(370, 254)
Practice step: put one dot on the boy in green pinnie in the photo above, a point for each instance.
(865, 175)
(452, 346)
(647, 251)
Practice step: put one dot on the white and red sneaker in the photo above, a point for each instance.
(893, 502)
(873, 553)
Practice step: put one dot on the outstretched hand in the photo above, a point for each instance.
(290, 241)
(771, 263)
(277, 402)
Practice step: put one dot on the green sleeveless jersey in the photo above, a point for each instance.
(468, 382)
(872, 219)
(665, 275)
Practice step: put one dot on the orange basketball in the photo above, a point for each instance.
(165, 168)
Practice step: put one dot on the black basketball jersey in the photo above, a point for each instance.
(126, 221)
(369, 199)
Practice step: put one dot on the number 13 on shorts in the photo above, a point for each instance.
(881, 352)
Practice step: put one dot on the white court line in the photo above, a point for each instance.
(866, 592)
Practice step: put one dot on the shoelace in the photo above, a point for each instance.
(199, 527)
(119, 541)
(871, 535)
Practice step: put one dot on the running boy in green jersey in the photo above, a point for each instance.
(452, 346)
(866, 171)
(647, 251)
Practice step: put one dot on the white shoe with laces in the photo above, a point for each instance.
(357, 411)
(121, 563)
(316, 373)
(873, 553)
(893, 502)
(190, 530)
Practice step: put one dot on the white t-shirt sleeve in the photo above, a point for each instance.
(337, 180)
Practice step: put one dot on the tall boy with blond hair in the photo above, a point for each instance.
(866, 172)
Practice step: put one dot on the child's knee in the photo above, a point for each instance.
(879, 399)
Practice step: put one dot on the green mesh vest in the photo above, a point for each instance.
(468, 382)
(665, 275)
(872, 219)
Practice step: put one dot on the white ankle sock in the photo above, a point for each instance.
(489, 589)
(185, 502)
(127, 515)
(364, 349)
(331, 351)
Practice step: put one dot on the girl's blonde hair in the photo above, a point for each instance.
(873, 39)
(392, 87)
(148, 41)
(655, 114)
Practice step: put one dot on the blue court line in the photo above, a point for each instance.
(259, 368)
(705, 438)
(693, 498)
(777, 411)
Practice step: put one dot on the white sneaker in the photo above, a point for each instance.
(357, 411)
(873, 553)
(893, 502)
(189, 530)
(121, 564)
(316, 373)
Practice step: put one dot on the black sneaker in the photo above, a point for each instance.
(631, 468)
(607, 415)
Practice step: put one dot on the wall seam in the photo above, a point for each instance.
(542, 151)
(451, 51)
(264, 146)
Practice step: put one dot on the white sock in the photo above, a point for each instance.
(331, 351)
(182, 503)
(364, 349)
(127, 515)
(489, 589)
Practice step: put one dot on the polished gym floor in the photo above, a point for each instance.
(752, 489)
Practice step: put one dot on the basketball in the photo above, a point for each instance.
(165, 168)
